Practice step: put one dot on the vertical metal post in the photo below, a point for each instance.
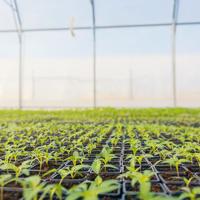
(19, 28)
(18, 23)
(94, 53)
(174, 21)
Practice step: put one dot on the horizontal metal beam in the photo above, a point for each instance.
(46, 29)
(99, 27)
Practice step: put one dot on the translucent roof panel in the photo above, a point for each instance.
(133, 41)
(6, 16)
(59, 44)
(188, 40)
(115, 12)
(59, 64)
(188, 63)
(9, 66)
(189, 10)
(55, 14)
(9, 46)
(129, 60)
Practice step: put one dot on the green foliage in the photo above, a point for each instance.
(4, 180)
(97, 166)
(106, 155)
(190, 193)
(19, 170)
(76, 157)
(91, 190)
(32, 186)
(175, 161)
(54, 191)
(71, 171)
(50, 138)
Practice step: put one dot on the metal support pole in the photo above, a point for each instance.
(19, 29)
(174, 18)
(18, 24)
(174, 64)
(94, 53)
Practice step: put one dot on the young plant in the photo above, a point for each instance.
(135, 145)
(12, 155)
(190, 193)
(138, 158)
(49, 172)
(164, 154)
(143, 179)
(91, 190)
(176, 162)
(4, 180)
(32, 186)
(187, 181)
(197, 157)
(70, 171)
(41, 157)
(114, 141)
(54, 191)
(145, 186)
(76, 157)
(90, 147)
(106, 156)
(24, 168)
(97, 166)
(131, 171)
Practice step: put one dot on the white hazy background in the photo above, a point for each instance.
(134, 66)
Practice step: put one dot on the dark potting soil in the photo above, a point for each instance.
(155, 187)
(12, 195)
(173, 177)
(177, 187)
(104, 176)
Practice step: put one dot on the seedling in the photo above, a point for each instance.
(4, 180)
(187, 181)
(32, 186)
(97, 166)
(76, 157)
(91, 190)
(190, 193)
(19, 170)
(135, 146)
(54, 191)
(90, 147)
(41, 157)
(131, 171)
(72, 171)
(106, 155)
(175, 161)
(139, 158)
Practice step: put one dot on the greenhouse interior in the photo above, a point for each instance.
(99, 99)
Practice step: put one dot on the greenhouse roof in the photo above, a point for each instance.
(37, 15)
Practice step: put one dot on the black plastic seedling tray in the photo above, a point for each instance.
(175, 188)
(165, 180)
